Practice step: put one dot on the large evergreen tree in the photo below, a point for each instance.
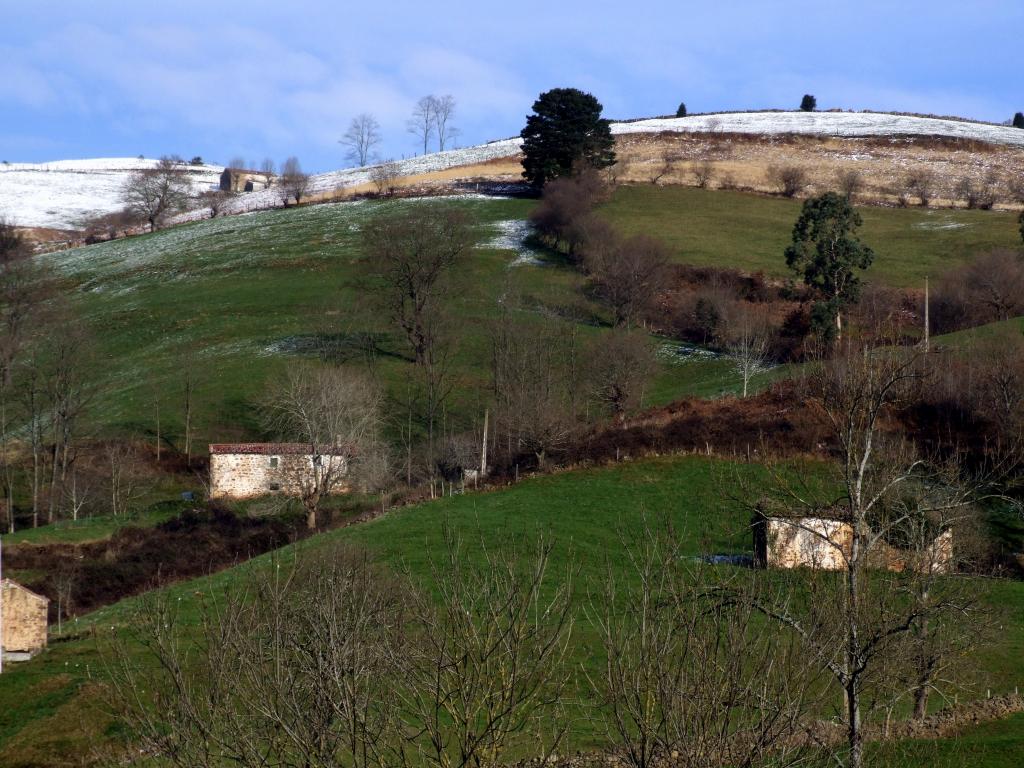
(825, 252)
(808, 103)
(1018, 120)
(565, 130)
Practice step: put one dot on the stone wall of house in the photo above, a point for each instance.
(234, 180)
(24, 618)
(249, 475)
(808, 542)
(814, 542)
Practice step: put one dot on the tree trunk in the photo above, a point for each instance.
(855, 738)
(311, 518)
(921, 702)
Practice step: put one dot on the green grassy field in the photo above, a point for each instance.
(750, 232)
(47, 705)
(238, 299)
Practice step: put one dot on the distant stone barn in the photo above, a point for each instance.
(250, 470)
(239, 180)
(24, 617)
(824, 543)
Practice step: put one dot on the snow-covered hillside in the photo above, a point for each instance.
(828, 124)
(61, 194)
(849, 124)
(64, 194)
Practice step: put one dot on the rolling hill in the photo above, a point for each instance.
(62, 195)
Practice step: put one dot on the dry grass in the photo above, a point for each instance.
(743, 161)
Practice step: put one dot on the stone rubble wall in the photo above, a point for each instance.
(247, 476)
(24, 618)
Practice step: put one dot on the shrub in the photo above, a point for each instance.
(921, 182)
(704, 172)
(850, 182)
(789, 179)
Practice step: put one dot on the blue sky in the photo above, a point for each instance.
(219, 78)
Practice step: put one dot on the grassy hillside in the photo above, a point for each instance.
(237, 299)
(750, 232)
(48, 706)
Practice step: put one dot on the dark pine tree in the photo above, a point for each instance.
(566, 130)
(681, 112)
(1018, 120)
(808, 103)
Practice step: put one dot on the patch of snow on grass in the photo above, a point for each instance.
(681, 353)
(512, 236)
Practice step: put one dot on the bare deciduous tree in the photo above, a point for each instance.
(335, 413)
(868, 627)
(996, 280)
(153, 193)
(978, 193)
(619, 368)
(293, 182)
(385, 177)
(921, 182)
(296, 668)
(489, 661)
(749, 347)
(536, 375)
(664, 165)
(627, 274)
(331, 661)
(23, 294)
(690, 678)
(362, 136)
(443, 108)
(704, 173)
(125, 477)
(850, 182)
(411, 254)
(215, 200)
(423, 123)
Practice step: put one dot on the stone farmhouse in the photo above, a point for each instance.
(240, 180)
(825, 544)
(249, 470)
(24, 617)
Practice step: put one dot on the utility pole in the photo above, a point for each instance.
(483, 448)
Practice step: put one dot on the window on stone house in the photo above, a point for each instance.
(275, 486)
(273, 462)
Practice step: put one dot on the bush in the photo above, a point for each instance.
(789, 179)
(850, 182)
(563, 219)
(921, 182)
(989, 288)
(704, 172)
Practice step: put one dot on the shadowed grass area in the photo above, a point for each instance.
(750, 232)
